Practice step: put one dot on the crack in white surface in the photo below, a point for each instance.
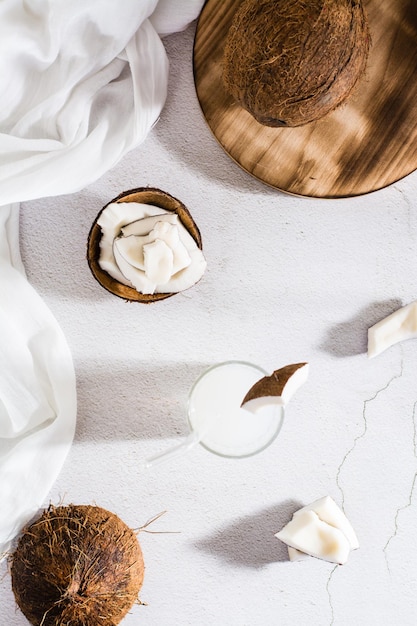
(408, 207)
(399, 510)
(364, 431)
(410, 495)
(415, 430)
(330, 595)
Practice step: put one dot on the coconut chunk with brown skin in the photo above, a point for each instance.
(276, 389)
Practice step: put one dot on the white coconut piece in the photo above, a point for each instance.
(114, 217)
(328, 511)
(144, 226)
(399, 326)
(127, 227)
(307, 533)
(276, 389)
(131, 249)
(296, 555)
(169, 233)
(131, 275)
(159, 261)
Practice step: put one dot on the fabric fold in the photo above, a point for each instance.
(37, 390)
(82, 84)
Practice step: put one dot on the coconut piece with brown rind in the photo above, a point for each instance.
(276, 389)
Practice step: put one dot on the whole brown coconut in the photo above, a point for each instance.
(77, 566)
(289, 62)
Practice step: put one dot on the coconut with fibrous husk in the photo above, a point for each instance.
(77, 566)
(290, 62)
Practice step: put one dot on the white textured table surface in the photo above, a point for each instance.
(288, 279)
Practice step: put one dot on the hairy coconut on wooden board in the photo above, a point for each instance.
(77, 565)
(367, 143)
(290, 62)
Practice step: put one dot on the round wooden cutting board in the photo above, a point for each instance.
(369, 142)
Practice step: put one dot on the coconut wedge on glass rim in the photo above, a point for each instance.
(276, 389)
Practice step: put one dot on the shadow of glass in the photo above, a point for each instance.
(250, 542)
(350, 338)
(128, 401)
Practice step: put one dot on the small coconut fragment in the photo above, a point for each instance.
(290, 62)
(307, 533)
(399, 326)
(329, 512)
(276, 389)
(311, 533)
(78, 565)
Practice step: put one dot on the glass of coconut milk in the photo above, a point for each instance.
(216, 419)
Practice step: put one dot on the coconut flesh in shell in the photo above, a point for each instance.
(77, 566)
(290, 62)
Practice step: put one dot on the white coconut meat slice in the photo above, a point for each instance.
(328, 511)
(399, 326)
(276, 389)
(131, 249)
(166, 229)
(296, 555)
(307, 533)
(111, 221)
(144, 226)
(131, 275)
(189, 263)
(127, 227)
(159, 261)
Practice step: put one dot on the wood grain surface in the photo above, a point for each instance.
(369, 142)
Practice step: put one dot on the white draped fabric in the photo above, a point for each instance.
(82, 83)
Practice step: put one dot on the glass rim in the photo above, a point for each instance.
(279, 409)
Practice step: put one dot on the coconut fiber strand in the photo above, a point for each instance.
(289, 62)
(77, 566)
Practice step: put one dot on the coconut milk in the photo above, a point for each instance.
(215, 415)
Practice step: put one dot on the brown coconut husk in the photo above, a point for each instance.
(77, 566)
(144, 195)
(290, 62)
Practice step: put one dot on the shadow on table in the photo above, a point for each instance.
(128, 401)
(54, 235)
(350, 337)
(182, 130)
(249, 541)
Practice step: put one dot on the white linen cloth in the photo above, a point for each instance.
(82, 83)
